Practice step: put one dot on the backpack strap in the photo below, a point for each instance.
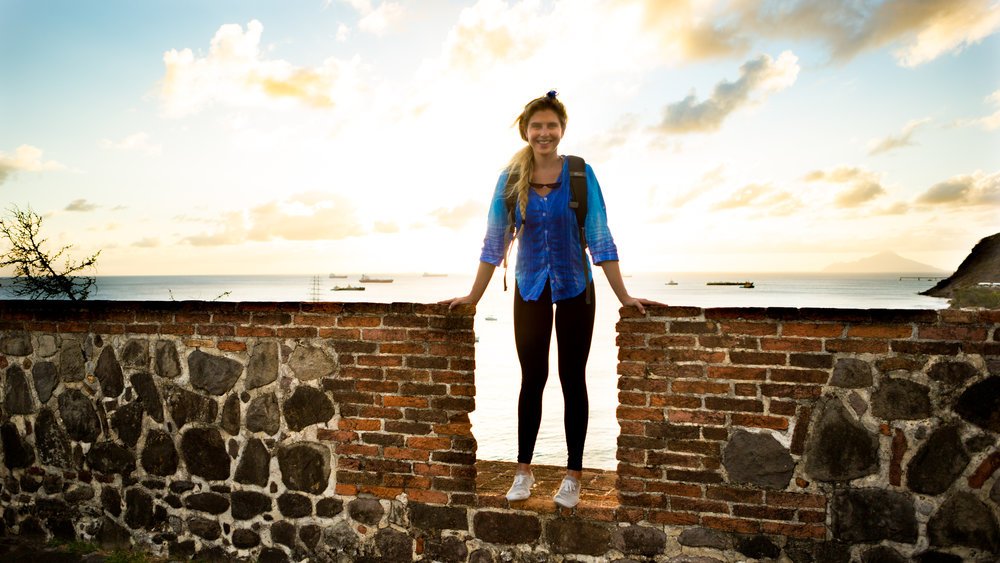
(577, 202)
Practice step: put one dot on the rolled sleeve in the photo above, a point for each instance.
(599, 240)
(496, 225)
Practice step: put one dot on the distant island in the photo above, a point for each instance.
(882, 263)
(982, 265)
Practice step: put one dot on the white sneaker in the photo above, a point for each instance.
(521, 489)
(569, 493)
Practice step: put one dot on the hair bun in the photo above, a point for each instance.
(551, 94)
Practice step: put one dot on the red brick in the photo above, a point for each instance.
(732, 494)
(700, 506)
(359, 424)
(705, 356)
(642, 355)
(107, 328)
(760, 421)
(880, 331)
(402, 348)
(397, 401)
(785, 344)
(142, 329)
(231, 346)
(857, 346)
(346, 490)
(679, 401)
(318, 320)
(694, 447)
(252, 331)
(674, 460)
(693, 327)
(758, 358)
(797, 500)
(671, 341)
(985, 470)
(435, 470)
(725, 372)
(377, 386)
(751, 329)
(812, 517)
(952, 333)
(429, 443)
(193, 318)
(382, 492)
(786, 408)
(731, 524)
(791, 391)
(296, 332)
(699, 387)
(696, 417)
(357, 449)
(676, 371)
(627, 470)
(455, 429)
(357, 322)
(812, 330)
(449, 350)
(406, 453)
(379, 360)
(800, 376)
(387, 334)
(336, 435)
(729, 342)
(231, 318)
(745, 389)
(725, 404)
(957, 316)
(642, 384)
(644, 327)
(896, 459)
(198, 342)
(633, 413)
(633, 399)
(763, 512)
(800, 530)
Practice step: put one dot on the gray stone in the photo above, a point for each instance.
(506, 527)
(366, 510)
(802, 550)
(52, 441)
(330, 507)
(272, 555)
(17, 452)
(79, 415)
(204, 528)
(873, 515)
(187, 406)
(263, 365)
(294, 505)
(79, 493)
(979, 442)
(859, 405)
(704, 537)
(882, 554)
(435, 518)
(109, 457)
(204, 453)
(212, 374)
(109, 372)
(113, 535)
(394, 545)
(135, 354)
(52, 483)
(127, 422)
(247, 504)
(305, 466)
(448, 549)
(254, 465)
(757, 547)
(111, 500)
(263, 414)
(481, 556)
(145, 387)
(757, 459)
(245, 539)
(310, 534)
(938, 462)
(138, 508)
(307, 406)
(231, 415)
(952, 373)
(159, 455)
(901, 399)
(17, 396)
(686, 558)
(46, 377)
(47, 346)
(72, 364)
(839, 448)
(964, 520)
(851, 373)
(995, 491)
(283, 532)
(640, 540)
(166, 361)
(980, 404)
(575, 535)
(940, 557)
(16, 344)
(311, 362)
(212, 503)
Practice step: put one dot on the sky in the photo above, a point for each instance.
(314, 136)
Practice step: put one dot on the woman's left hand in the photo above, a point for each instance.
(638, 303)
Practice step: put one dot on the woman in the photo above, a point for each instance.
(551, 270)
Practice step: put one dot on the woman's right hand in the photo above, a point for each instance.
(456, 301)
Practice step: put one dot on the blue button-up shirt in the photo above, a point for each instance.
(549, 248)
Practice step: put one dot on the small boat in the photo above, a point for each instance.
(366, 279)
(742, 283)
(747, 285)
(338, 275)
(491, 317)
(671, 282)
(347, 288)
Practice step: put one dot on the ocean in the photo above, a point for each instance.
(497, 371)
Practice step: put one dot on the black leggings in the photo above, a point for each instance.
(574, 320)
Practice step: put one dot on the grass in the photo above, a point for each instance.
(77, 547)
(977, 297)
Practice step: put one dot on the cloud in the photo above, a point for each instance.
(147, 242)
(859, 193)
(80, 205)
(26, 158)
(234, 73)
(863, 186)
(965, 190)
(386, 227)
(919, 31)
(331, 218)
(458, 217)
(902, 139)
(134, 142)
(989, 122)
(761, 76)
(744, 197)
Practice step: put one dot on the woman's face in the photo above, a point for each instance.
(544, 132)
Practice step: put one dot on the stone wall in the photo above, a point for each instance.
(340, 432)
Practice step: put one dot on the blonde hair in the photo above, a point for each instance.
(522, 164)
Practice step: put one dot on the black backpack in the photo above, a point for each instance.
(577, 202)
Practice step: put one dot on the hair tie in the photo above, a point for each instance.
(551, 94)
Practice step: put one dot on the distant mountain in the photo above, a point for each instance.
(882, 263)
(981, 265)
